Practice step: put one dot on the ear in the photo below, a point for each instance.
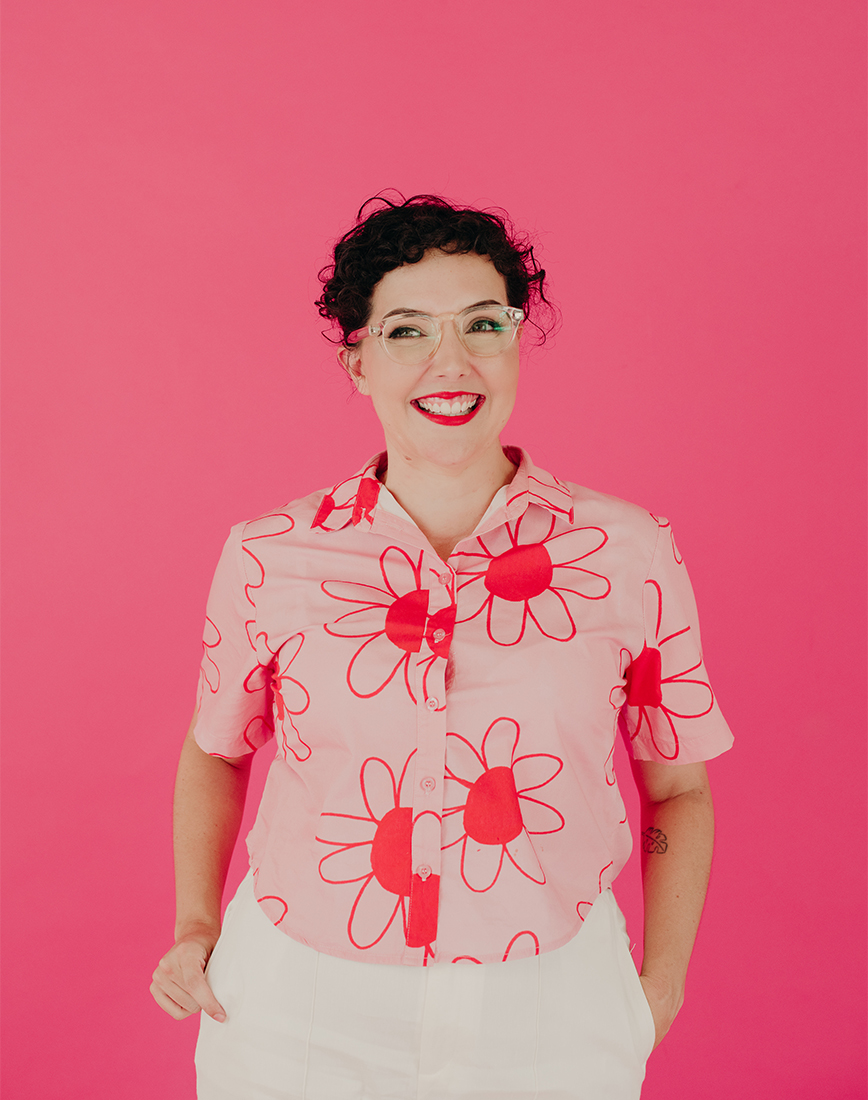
(351, 360)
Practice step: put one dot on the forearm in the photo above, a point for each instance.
(209, 802)
(677, 842)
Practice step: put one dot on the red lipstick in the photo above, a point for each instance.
(441, 418)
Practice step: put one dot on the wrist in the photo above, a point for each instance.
(204, 931)
(669, 987)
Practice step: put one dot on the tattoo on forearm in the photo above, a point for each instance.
(654, 841)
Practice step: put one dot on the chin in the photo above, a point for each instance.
(455, 452)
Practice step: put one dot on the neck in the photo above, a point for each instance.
(447, 502)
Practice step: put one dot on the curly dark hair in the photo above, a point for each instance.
(401, 233)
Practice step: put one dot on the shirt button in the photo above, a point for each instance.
(423, 871)
(431, 703)
(428, 784)
(438, 636)
(445, 578)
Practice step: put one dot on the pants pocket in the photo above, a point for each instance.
(642, 1018)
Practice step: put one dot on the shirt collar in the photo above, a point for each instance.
(355, 500)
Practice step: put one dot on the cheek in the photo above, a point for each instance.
(376, 381)
(507, 384)
(390, 402)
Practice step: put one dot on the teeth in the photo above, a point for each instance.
(458, 407)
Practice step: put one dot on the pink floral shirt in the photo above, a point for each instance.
(443, 786)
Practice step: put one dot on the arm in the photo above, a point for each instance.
(677, 841)
(209, 802)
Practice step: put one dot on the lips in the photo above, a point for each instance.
(439, 402)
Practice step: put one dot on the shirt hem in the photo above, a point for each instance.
(421, 959)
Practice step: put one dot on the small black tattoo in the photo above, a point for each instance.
(653, 840)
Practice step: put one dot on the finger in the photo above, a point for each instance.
(168, 1004)
(198, 988)
(180, 976)
(176, 989)
(174, 986)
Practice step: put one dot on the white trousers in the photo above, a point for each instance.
(570, 1024)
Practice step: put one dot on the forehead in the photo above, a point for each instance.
(439, 283)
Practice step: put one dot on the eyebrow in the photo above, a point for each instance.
(404, 309)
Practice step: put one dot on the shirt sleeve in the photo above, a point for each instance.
(671, 714)
(234, 703)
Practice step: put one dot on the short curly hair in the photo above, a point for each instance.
(399, 233)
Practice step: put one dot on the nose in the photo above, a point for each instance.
(451, 357)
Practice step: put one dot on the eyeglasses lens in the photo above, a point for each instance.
(411, 337)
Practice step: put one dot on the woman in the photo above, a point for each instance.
(443, 647)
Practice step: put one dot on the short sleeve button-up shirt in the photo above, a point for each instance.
(443, 786)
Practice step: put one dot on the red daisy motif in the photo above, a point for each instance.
(666, 526)
(524, 570)
(685, 697)
(617, 698)
(211, 639)
(259, 728)
(350, 500)
(516, 939)
(269, 526)
(375, 849)
(290, 698)
(588, 904)
(393, 620)
(274, 906)
(496, 816)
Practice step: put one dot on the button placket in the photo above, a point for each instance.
(430, 758)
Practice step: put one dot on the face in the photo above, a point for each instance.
(410, 400)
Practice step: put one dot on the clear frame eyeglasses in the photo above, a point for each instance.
(411, 338)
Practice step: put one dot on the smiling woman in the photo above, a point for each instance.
(444, 647)
(442, 415)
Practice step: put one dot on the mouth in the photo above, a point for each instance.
(449, 408)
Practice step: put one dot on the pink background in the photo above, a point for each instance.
(174, 173)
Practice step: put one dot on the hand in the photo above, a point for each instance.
(664, 1002)
(179, 986)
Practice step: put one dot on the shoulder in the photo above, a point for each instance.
(294, 516)
(590, 506)
(631, 533)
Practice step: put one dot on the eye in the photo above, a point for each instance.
(405, 332)
(486, 324)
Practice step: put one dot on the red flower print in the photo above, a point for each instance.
(278, 906)
(393, 621)
(290, 696)
(211, 639)
(350, 500)
(617, 697)
(609, 766)
(524, 570)
(375, 849)
(588, 904)
(274, 906)
(269, 527)
(517, 939)
(496, 817)
(666, 530)
(646, 686)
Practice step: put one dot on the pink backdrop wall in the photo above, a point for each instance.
(174, 171)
